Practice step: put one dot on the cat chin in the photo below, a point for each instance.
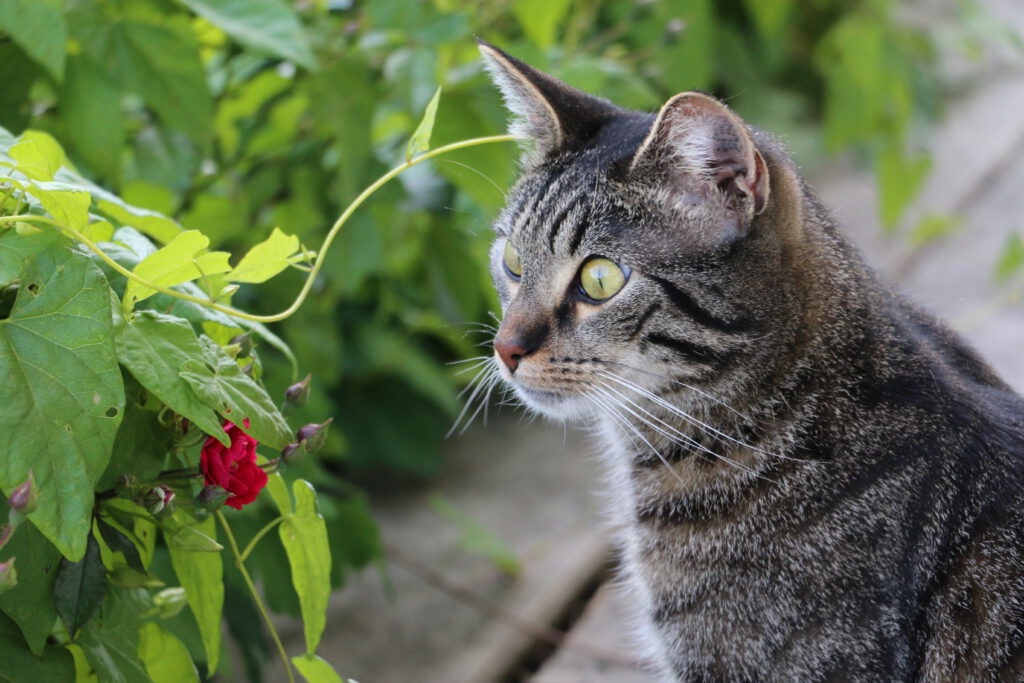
(554, 404)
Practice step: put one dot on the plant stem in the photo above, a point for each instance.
(318, 263)
(255, 595)
(259, 534)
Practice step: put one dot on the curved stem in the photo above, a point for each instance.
(259, 534)
(318, 263)
(255, 595)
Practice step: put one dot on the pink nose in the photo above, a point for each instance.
(510, 353)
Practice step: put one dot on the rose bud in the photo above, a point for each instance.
(297, 395)
(169, 602)
(157, 500)
(313, 436)
(8, 577)
(292, 453)
(211, 497)
(22, 501)
(244, 344)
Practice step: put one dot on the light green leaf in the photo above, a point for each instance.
(268, 26)
(899, 179)
(278, 491)
(20, 665)
(221, 384)
(201, 575)
(68, 205)
(84, 673)
(38, 154)
(420, 140)
(99, 231)
(540, 19)
(111, 640)
(193, 540)
(154, 347)
(166, 658)
(181, 260)
(62, 392)
(316, 670)
(266, 259)
(1011, 259)
(933, 227)
(304, 536)
(154, 224)
(38, 27)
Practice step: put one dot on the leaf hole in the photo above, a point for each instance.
(33, 287)
(112, 411)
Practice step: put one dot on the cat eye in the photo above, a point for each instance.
(512, 263)
(601, 279)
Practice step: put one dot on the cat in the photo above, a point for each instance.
(815, 479)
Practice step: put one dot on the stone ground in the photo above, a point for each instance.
(439, 613)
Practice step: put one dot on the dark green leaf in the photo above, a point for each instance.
(268, 26)
(117, 541)
(16, 79)
(80, 587)
(142, 442)
(62, 389)
(30, 604)
(20, 664)
(38, 27)
(111, 641)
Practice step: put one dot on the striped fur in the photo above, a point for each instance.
(814, 479)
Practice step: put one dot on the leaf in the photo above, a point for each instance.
(80, 587)
(193, 540)
(899, 179)
(220, 383)
(84, 673)
(30, 604)
(266, 259)
(316, 670)
(1011, 259)
(68, 205)
(38, 27)
(20, 664)
(267, 26)
(420, 140)
(165, 657)
(353, 536)
(142, 441)
(38, 154)
(111, 641)
(118, 542)
(154, 347)
(933, 227)
(304, 536)
(94, 128)
(156, 225)
(181, 260)
(201, 575)
(540, 19)
(769, 17)
(475, 538)
(99, 231)
(62, 392)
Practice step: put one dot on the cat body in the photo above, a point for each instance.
(814, 479)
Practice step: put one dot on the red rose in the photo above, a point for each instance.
(233, 467)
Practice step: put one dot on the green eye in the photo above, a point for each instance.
(512, 263)
(601, 279)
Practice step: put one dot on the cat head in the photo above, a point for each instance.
(635, 250)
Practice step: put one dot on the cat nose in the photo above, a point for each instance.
(510, 352)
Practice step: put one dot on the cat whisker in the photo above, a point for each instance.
(479, 173)
(483, 381)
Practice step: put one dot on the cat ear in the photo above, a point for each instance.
(698, 145)
(546, 111)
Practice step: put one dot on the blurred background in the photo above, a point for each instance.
(236, 117)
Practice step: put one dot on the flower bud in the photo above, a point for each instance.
(211, 498)
(24, 497)
(297, 395)
(8, 577)
(169, 602)
(126, 486)
(292, 453)
(157, 500)
(313, 436)
(244, 344)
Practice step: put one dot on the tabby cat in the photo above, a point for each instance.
(815, 479)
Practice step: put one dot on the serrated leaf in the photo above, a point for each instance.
(304, 536)
(30, 604)
(420, 140)
(266, 259)
(38, 27)
(316, 670)
(221, 384)
(165, 657)
(268, 26)
(38, 154)
(181, 260)
(111, 641)
(62, 393)
(201, 575)
(20, 664)
(154, 347)
(80, 587)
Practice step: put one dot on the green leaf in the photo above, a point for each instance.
(80, 587)
(154, 347)
(166, 658)
(156, 225)
(475, 538)
(20, 665)
(304, 536)
(38, 27)
(420, 140)
(118, 542)
(38, 154)
(316, 670)
(267, 26)
(68, 205)
(201, 575)
(193, 540)
(266, 259)
(1011, 259)
(221, 384)
(771, 18)
(142, 442)
(933, 227)
(62, 392)
(111, 641)
(899, 179)
(353, 536)
(94, 127)
(181, 260)
(540, 19)
(30, 603)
